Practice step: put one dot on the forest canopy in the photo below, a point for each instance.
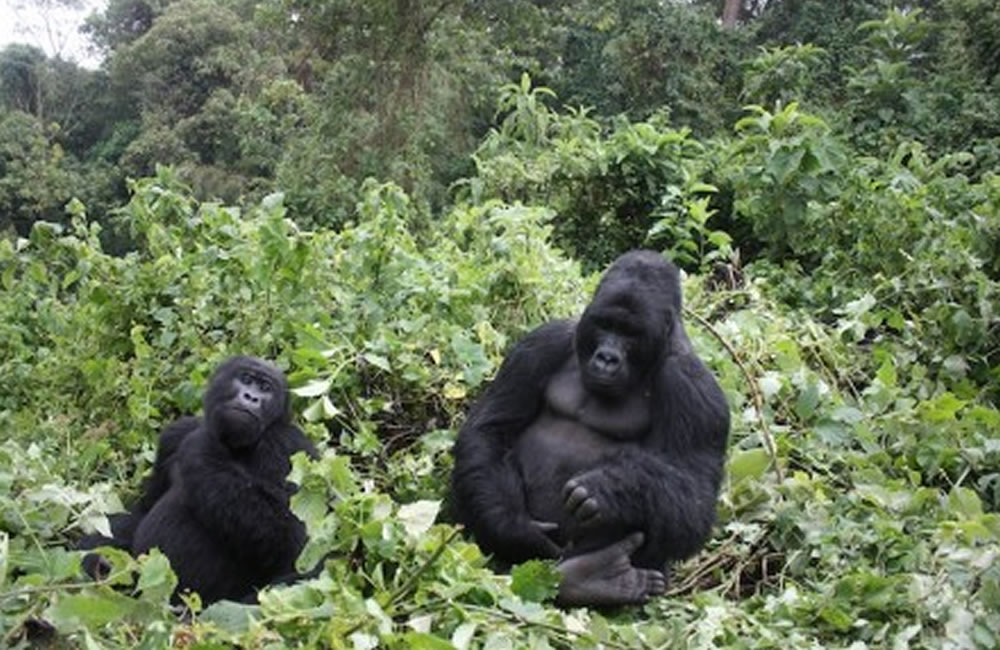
(382, 196)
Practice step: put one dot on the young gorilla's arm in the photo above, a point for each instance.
(488, 489)
(248, 514)
(159, 481)
(124, 524)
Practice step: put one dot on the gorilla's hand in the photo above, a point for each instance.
(582, 498)
(96, 566)
(533, 536)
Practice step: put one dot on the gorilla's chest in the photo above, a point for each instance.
(626, 418)
(554, 444)
(572, 434)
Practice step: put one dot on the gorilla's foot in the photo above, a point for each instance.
(606, 577)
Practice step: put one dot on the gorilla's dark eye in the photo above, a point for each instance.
(628, 329)
(620, 327)
(265, 386)
(245, 377)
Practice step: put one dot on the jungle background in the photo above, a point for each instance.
(382, 195)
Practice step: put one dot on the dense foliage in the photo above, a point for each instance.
(382, 196)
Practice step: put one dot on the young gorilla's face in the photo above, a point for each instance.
(244, 399)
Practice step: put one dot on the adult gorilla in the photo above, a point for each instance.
(217, 502)
(600, 442)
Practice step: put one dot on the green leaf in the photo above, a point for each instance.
(321, 409)
(418, 517)
(836, 616)
(807, 401)
(956, 365)
(377, 360)
(887, 373)
(964, 503)
(156, 580)
(272, 202)
(942, 408)
(230, 616)
(424, 641)
(314, 388)
(92, 609)
(847, 415)
(749, 464)
(462, 637)
(770, 384)
(784, 163)
(535, 580)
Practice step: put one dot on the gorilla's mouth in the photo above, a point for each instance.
(242, 413)
(602, 379)
(604, 385)
(601, 376)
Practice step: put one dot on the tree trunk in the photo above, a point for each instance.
(731, 13)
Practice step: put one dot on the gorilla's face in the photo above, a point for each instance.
(613, 350)
(243, 400)
(625, 329)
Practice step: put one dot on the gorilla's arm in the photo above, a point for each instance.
(247, 513)
(294, 441)
(124, 524)
(668, 486)
(487, 487)
(159, 482)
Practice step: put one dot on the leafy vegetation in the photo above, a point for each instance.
(382, 196)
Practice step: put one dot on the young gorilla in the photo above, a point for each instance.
(600, 442)
(217, 502)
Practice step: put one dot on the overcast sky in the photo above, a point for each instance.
(50, 26)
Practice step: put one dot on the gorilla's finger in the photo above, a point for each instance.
(588, 510)
(545, 526)
(656, 583)
(547, 548)
(630, 544)
(570, 486)
(575, 497)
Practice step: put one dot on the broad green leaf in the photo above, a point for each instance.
(942, 408)
(314, 388)
(462, 636)
(92, 609)
(378, 361)
(418, 517)
(964, 503)
(321, 409)
(230, 616)
(847, 415)
(770, 384)
(156, 580)
(807, 401)
(749, 464)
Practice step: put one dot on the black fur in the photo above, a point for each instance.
(217, 502)
(616, 403)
